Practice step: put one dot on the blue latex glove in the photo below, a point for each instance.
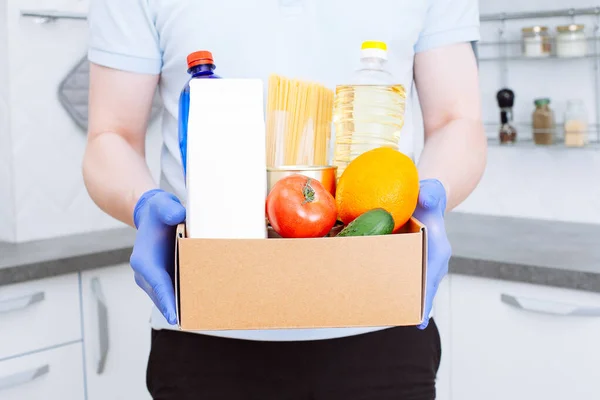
(430, 211)
(156, 216)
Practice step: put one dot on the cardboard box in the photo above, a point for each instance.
(244, 284)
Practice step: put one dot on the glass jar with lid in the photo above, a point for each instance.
(571, 41)
(536, 41)
(576, 124)
(543, 122)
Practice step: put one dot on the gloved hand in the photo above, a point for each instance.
(156, 216)
(430, 211)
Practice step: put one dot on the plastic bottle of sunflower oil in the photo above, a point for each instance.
(369, 111)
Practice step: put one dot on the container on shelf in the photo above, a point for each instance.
(536, 41)
(543, 122)
(507, 134)
(576, 124)
(506, 101)
(571, 41)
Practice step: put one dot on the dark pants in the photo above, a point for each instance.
(397, 363)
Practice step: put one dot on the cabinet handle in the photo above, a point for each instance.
(102, 314)
(45, 16)
(22, 378)
(20, 303)
(549, 307)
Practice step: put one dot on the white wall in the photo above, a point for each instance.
(7, 221)
(555, 184)
(45, 147)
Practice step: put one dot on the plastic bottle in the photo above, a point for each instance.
(200, 66)
(369, 111)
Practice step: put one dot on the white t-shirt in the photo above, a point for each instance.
(309, 39)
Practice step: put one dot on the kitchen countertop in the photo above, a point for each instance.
(557, 254)
(551, 253)
(22, 262)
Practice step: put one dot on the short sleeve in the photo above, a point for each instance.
(122, 35)
(449, 22)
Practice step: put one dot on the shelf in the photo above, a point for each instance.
(507, 49)
(511, 50)
(529, 143)
(519, 42)
(525, 137)
(547, 58)
(526, 126)
(569, 12)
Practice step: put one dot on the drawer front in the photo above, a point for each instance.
(522, 341)
(39, 314)
(116, 334)
(441, 315)
(53, 374)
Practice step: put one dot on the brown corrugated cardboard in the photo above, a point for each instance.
(232, 284)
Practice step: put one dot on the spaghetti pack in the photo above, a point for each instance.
(298, 123)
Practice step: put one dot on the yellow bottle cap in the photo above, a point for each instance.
(371, 44)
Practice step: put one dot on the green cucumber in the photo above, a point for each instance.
(372, 223)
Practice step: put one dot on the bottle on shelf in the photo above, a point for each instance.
(508, 134)
(571, 41)
(536, 41)
(506, 101)
(576, 124)
(543, 122)
(369, 110)
(200, 66)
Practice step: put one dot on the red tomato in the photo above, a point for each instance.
(300, 207)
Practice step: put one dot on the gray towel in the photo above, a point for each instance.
(73, 94)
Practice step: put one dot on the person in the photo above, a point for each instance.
(139, 45)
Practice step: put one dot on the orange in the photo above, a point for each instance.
(379, 178)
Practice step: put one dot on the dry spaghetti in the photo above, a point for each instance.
(298, 122)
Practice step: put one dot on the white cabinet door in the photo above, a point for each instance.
(51, 374)
(39, 314)
(116, 316)
(520, 341)
(442, 319)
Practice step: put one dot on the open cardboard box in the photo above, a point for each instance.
(245, 284)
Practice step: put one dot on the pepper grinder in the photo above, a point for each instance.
(506, 101)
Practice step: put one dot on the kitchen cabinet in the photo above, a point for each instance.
(41, 129)
(521, 341)
(441, 317)
(39, 314)
(50, 138)
(116, 334)
(50, 374)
